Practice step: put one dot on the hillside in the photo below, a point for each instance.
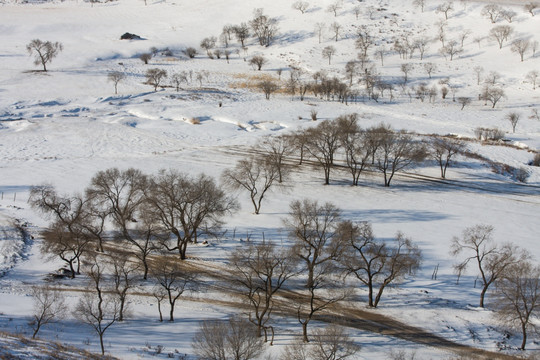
(62, 126)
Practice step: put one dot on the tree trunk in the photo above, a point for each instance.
(524, 331)
(304, 331)
(101, 343)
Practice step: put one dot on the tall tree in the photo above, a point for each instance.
(44, 51)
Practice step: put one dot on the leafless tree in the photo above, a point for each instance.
(257, 61)
(155, 77)
(322, 144)
(261, 271)
(464, 101)
(256, 175)
(97, 309)
(277, 149)
(302, 6)
(451, 49)
(513, 118)
(223, 340)
(241, 32)
(375, 263)
(313, 230)
(116, 77)
(406, 68)
(532, 77)
(48, 306)
(493, 260)
(44, 51)
(464, 35)
(357, 10)
(355, 143)
(145, 58)
(492, 11)
(268, 87)
(444, 150)
(535, 114)
(364, 40)
(319, 29)
(420, 3)
(336, 27)
(430, 67)
(332, 342)
(531, 7)
(500, 33)
(478, 70)
(445, 8)
(190, 52)
(397, 151)
(160, 294)
(520, 46)
(492, 94)
(335, 7)
(381, 52)
(171, 275)
(518, 297)
(179, 78)
(123, 277)
(508, 15)
(187, 207)
(492, 78)
(264, 27)
(122, 194)
(328, 52)
(208, 44)
(422, 44)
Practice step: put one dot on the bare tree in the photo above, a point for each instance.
(406, 68)
(357, 10)
(531, 7)
(430, 67)
(420, 3)
(492, 11)
(241, 32)
(335, 7)
(155, 77)
(160, 294)
(328, 52)
(464, 101)
(277, 149)
(319, 29)
(97, 308)
(121, 193)
(520, 46)
(268, 87)
(123, 277)
(445, 8)
(48, 306)
(443, 150)
(261, 271)
(492, 78)
(171, 275)
(397, 151)
(508, 15)
(493, 260)
(145, 58)
(302, 6)
(336, 27)
(313, 229)
(364, 40)
(116, 77)
(492, 94)
(208, 44)
(532, 77)
(478, 70)
(513, 118)
(44, 51)
(421, 44)
(256, 175)
(376, 263)
(222, 340)
(518, 297)
(190, 52)
(332, 342)
(264, 27)
(322, 144)
(257, 62)
(355, 143)
(500, 33)
(187, 207)
(381, 53)
(464, 35)
(451, 49)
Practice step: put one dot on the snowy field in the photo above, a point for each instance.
(62, 126)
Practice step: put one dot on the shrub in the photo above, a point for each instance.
(536, 160)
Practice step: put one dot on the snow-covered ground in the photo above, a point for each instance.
(63, 126)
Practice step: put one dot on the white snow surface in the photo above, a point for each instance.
(62, 126)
